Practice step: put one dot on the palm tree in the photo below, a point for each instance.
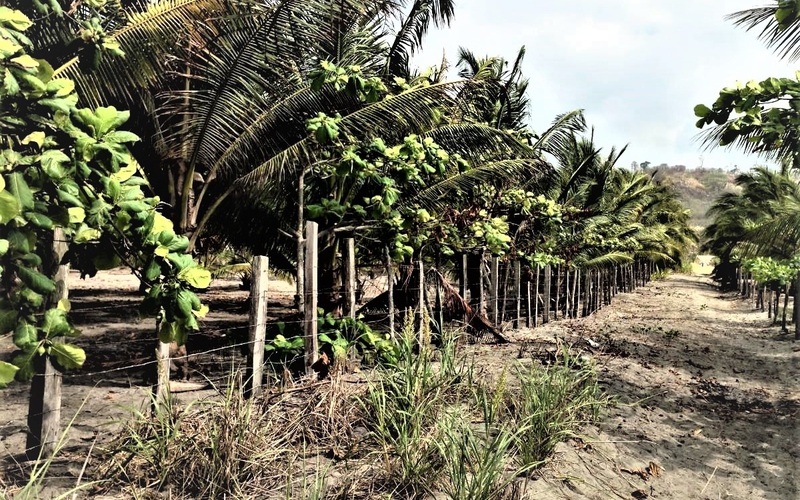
(505, 104)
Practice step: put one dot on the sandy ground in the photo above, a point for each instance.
(714, 408)
(707, 391)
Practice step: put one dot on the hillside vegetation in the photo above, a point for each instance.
(697, 188)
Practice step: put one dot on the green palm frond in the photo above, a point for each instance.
(785, 41)
(477, 142)
(603, 261)
(278, 125)
(413, 28)
(150, 39)
(502, 173)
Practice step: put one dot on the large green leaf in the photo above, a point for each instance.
(68, 355)
(20, 189)
(36, 281)
(7, 372)
(56, 324)
(9, 206)
(25, 335)
(51, 161)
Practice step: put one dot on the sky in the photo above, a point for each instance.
(637, 67)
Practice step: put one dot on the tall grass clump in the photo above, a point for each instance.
(216, 448)
(552, 404)
(401, 409)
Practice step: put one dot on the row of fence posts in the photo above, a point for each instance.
(583, 292)
(768, 299)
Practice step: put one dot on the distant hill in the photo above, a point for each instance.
(696, 187)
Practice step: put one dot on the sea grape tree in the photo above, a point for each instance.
(62, 166)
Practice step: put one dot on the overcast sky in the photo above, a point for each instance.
(637, 67)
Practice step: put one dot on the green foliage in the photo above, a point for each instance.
(68, 167)
(342, 336)
(760, 117)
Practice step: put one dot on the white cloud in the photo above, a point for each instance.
(637, 67)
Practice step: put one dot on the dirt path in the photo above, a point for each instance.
(708, 392)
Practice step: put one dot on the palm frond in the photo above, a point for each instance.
(785, 41)
(150, 39)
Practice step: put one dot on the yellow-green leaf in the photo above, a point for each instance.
(202, 312)
(14, 18)
(7, 372)
(25, 61)
(161, 223)
(125, 172)
(87, 234)
(35, 137)
(76, 215)
(196, 277)
(68, 355)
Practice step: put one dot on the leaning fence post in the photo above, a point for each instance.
(311, 295)
(44, 409)
(350, 277)
(259, 287)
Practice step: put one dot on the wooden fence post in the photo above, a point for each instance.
(567, 304)
(259, 288)
(536, 299)
(529, 312)
(481, 288)
(558, 293)
(423, 342)
(493, 288)
(548, 277)
(517, 292)
(44, 407)
(390, 291)
(464, 283)
(797, 308)
(311, 296)
(350, 277)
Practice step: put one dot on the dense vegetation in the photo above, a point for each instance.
(757, 229)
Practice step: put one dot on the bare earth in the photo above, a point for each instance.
(707, 405)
